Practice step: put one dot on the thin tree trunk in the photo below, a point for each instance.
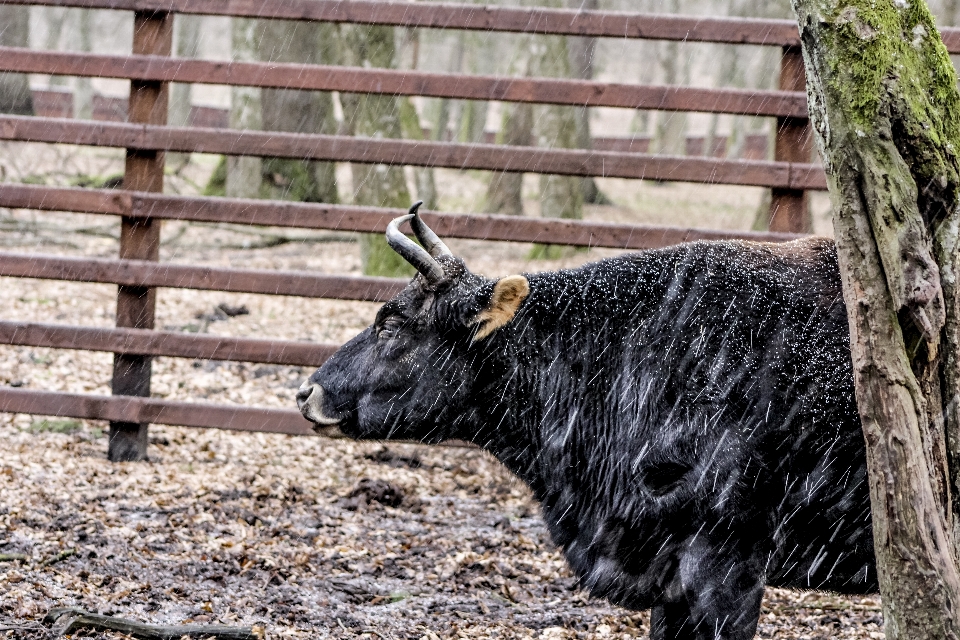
(671, 130)
(412, 129)
(15, 94)
(243, 172)
(582, 52)
(83, 91)
(454, 108)
(187, 45)
(480, 58)
(555, 127)
(884, 103)
(296, 111)
(505, 189)
(375, 116)
(55, 17)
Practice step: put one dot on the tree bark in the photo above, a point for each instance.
(15, 96)
(884, 103)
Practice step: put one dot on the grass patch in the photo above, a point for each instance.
(67, 426)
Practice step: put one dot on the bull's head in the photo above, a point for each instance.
(416, 371)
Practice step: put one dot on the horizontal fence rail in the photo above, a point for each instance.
(363, 219)
(149, 342)
(538, 20)
(571, 162)
(579, 93)
(184, 414)
(146, 273)
(153, 410)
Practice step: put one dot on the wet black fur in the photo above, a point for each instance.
(685, 416)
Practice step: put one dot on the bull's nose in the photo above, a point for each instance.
(303, 393)
(310, 403)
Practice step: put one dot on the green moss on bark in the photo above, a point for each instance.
(873, 43)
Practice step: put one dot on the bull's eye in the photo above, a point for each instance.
(389, 328)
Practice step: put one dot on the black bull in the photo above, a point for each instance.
(685, 416)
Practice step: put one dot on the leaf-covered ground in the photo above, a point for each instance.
(309, 537)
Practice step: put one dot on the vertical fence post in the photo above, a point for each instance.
(140, 237)
(789, 210)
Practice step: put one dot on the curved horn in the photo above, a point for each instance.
(430, 241)
(412, 252)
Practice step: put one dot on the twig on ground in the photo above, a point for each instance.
(71, 619)
(63, 555)
(13, 557)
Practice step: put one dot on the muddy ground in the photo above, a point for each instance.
(308, 537)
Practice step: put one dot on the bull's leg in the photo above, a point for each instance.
(715, 594)
(670, 621)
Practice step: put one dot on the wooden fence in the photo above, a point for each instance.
(141, 205)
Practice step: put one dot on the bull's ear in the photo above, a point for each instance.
(508, 293)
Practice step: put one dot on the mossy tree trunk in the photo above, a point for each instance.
(884, 104)
(15, 94)
(297, 111)
(375, 116)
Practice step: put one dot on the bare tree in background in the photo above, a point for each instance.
(412, 127)
(54, 20)
(242, 179)
(83, 87)
(555, 126)
(582, 52)
(15, 94)
(186, 45)
(480, 58)
(375, 116)
(297, 111)
(444, 106)
(670, 135)
(505, 189)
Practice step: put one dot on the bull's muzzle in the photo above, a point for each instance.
(310, 402)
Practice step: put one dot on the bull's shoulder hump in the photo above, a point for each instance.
(810, 259)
